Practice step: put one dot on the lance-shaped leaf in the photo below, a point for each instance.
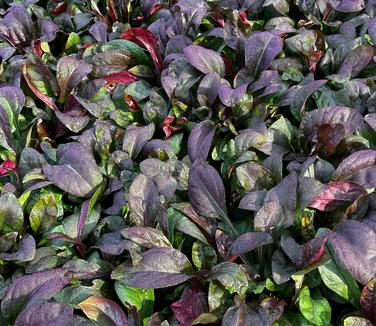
(230, 96)
(12, 100)
(354, 245)
(247, 242)
(368, 301)
(359, 167)
(192, 304)
(205, 60)
(25, 252)
(199, 140)
(45, 315)
(70, 72)
(77, 172)
(146, 237)
(206, 191)
(146, 39)
(337, 195)
(20, 290)
(136, 137)
(159, 268)
(334, 123)
(104, 311)
(260, 50)
(11, 214)
(40, 80)
(143, 201)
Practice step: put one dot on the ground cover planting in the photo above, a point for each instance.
(188, 162)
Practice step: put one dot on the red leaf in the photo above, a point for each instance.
(122, 77)
(146, 39)
(336, 195)
(313, 251)
(132, 104)
(7, 166)
(191, 305)
(46, 99)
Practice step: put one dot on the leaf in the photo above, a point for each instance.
(146, 39)
(25, 252)
(200, 140)
(334, 116)
(206, 191)
(316, 310)
(12, 101)
(142, 299)
(73, 123)
(331, 274)
(247, 242)
(356, 321)
(20, 290)
(254, 177)
(208, 88)
(232, 276)
(241, 314)
(368, 301)
(69, 74)
(104, 311)
(11, 214)
(192, 304)
(353, 245)
(40, 80)
(122, 77)
(44, 213)
(143, 201)
(146, 237)
(77, 172)
(358, 167)
(205, 60)
(260, 50)
(136, 137)
(45, 314)
(159, 268)
(337, 195)
(230, 97)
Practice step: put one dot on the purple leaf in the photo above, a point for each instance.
(20, 290)
(69, 73)
(143, 201)
(229, 96)
(135, 138)
(77, 172)
(254, 176)
(349, 5)
(372, 29)
(99, 31)
(253, 201)
(357, 60)
(192, 304)
(199, 140)
(206, 191)
(48, 30)
(104, 311)
(159, 268)
(354, 244)
(312, 251)
(247, 242)
(205, 60)
(359, 167)
(208, 88)
(260, 50)
(25, 252)
(48, 314)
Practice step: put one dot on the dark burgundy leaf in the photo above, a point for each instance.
(199, 140)
(368, 301)
(248, 242)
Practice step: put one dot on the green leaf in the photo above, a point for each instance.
(203, 255)
(316, 310)
(11, 215)
(346, 287)
(44, 213)
(142, 299)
